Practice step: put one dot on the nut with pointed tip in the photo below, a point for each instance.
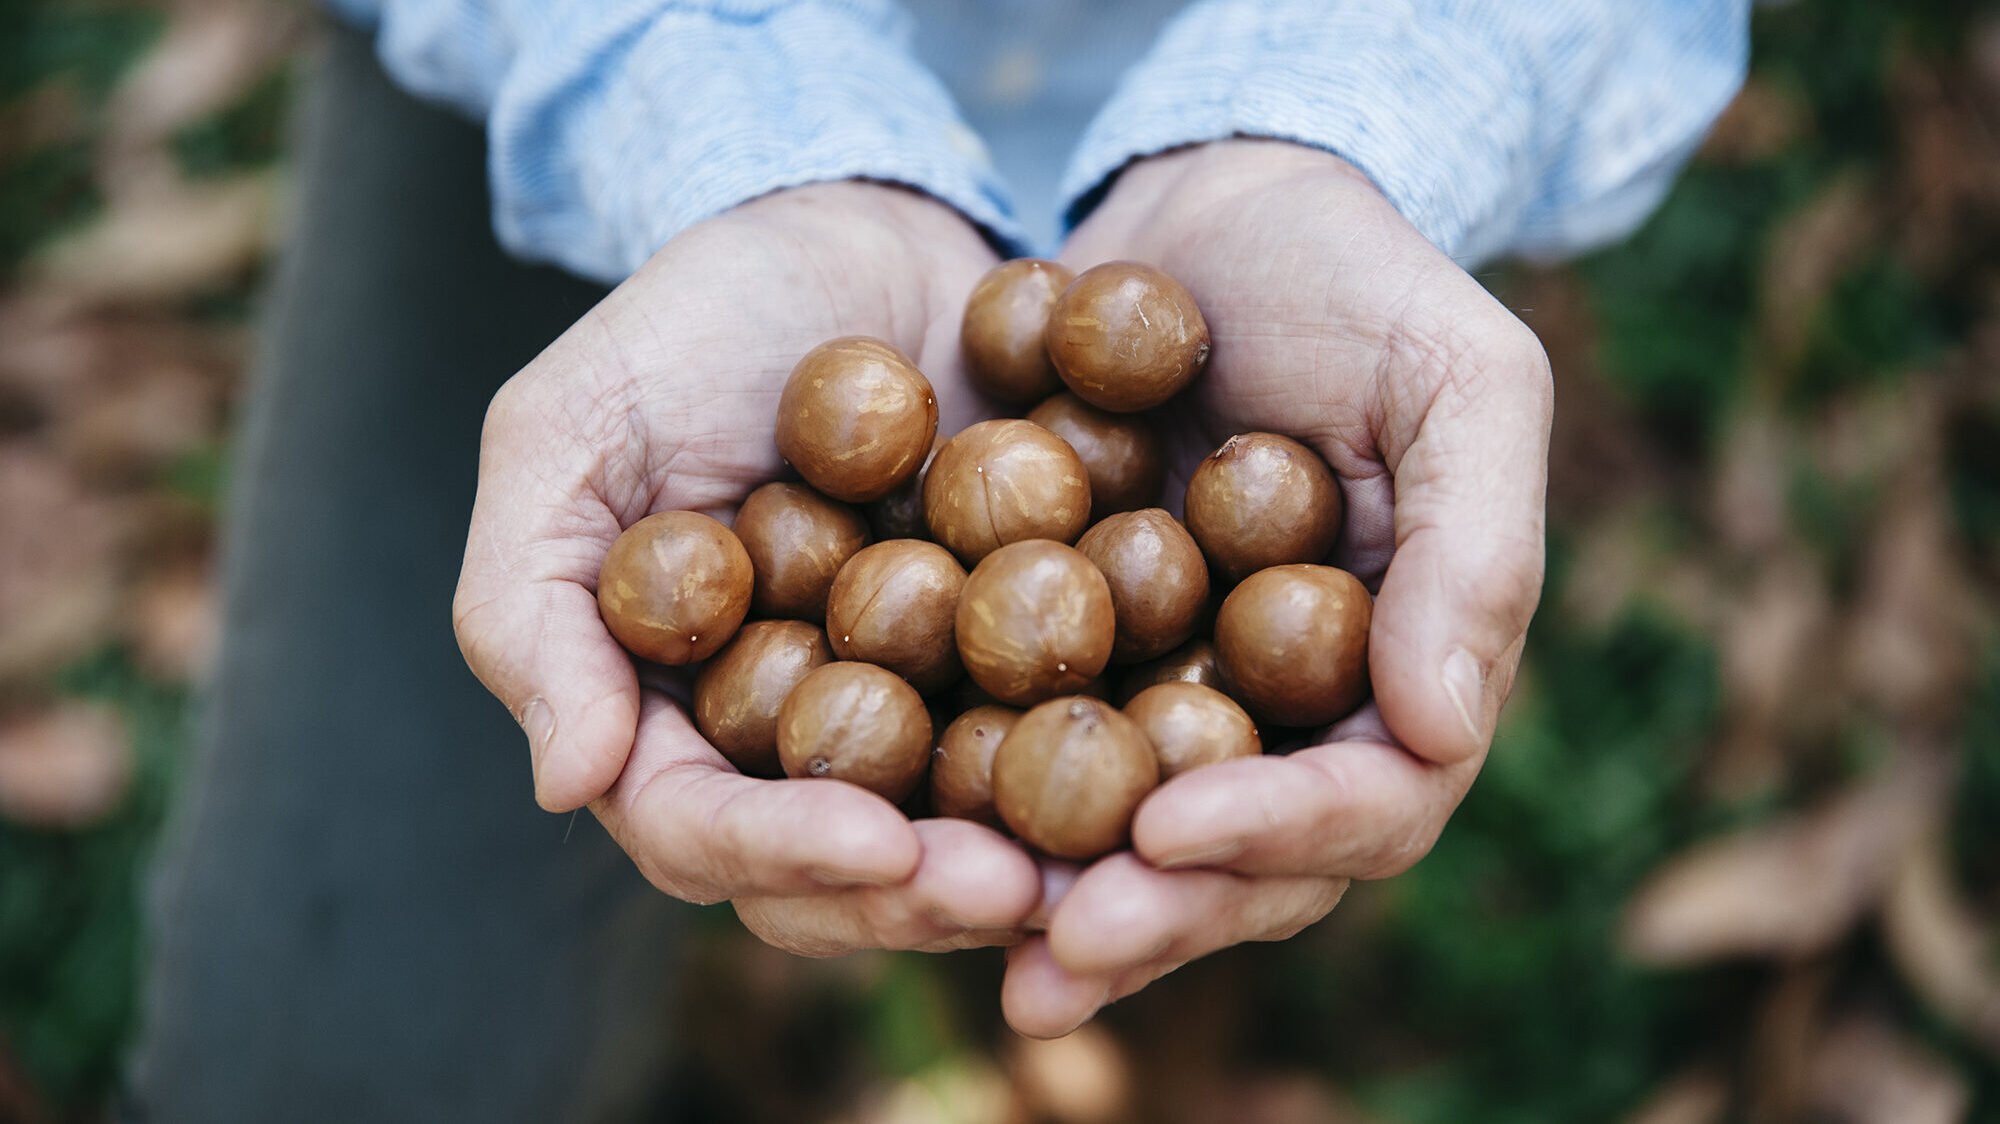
(856, 418)
(893, 605)
(675, 587)
(1159, 583)
(1262, 500)
(738, 693)
(1005, 319)
(962, 765)
(1191, 725)
(1034, 621)
(798, 540)
(1292, 642)
(1125, 336)
(1069, 775)
(1120, 452)
(856, 722)
(1003, 481)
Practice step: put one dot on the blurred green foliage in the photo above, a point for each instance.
(70, 901)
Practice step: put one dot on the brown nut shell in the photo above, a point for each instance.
(1292, 642)
(1005, 319)
(856, 418)
(737, 694)
(900, 514)
(1191, 725)
(894, 605)
(1121, 452)
(1069, 775)
(1034, 621)
(1158, 580)
(798, 540)
(962, 765)
(674, 587)
(1125, 336)
(856, 722)
(1192, 662)
(1262, 500)
(1004, 481)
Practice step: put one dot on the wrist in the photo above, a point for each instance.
(1162, 197)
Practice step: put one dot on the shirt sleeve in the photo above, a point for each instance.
(1542, 127)
(615, 124)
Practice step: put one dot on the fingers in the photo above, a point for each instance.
(972, 888)
(704, 833)
(539, 645)
(1125, 924)
(1355, 809)
(1473, 416)
(1042, 1000)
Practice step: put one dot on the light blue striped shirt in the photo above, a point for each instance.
(1533, 126)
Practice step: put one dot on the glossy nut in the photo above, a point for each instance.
(1191, 725)
(894, 605)
(737, 694)
(1192, 662)
(1120, 452)
(1262, 500)
(1069, 775)
(962, 765)
(1005, 319)
(1125, 336)
(674, 587)
(856, 418)
(900, 514)
(1292, 642)
(1034, 621)
(1157, 578)
(1004, 481)
(856, 722)
(798, 540)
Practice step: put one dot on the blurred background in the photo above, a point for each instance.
(1736, 855)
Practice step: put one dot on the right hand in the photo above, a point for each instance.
(663, 397)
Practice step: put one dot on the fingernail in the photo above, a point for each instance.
(1465, 686)
(539, 720)
(1090, 1014)
(1210, 855)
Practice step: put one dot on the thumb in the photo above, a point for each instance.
(527, 622)
(1470, 488)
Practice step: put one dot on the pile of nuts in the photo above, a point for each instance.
(1000, 574)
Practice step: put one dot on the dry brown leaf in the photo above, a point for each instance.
(165, 244)
(1865, 1071)
(1942, 950)
(137, 425)
(1770, 640)
(1760, 122)
(1947, 167)
(1695, 1097)
(1747, 500)
(1786, 888)
(1909, 645)
(1810, 250)
(59, 565)
(1083, 1077)
(67, 767)
(211, 53)
(174, 623)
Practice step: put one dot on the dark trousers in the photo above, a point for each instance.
(359, 914)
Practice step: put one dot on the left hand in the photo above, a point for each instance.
(1335, 322)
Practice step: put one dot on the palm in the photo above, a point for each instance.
(663, 397)
(1333, 321)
